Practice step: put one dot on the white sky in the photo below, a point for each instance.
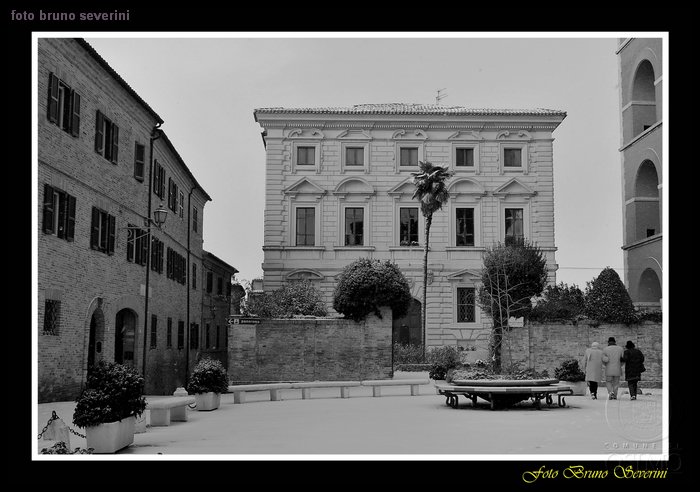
(206, 91)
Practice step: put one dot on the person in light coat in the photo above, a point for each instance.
(593, 367)
(612, 358)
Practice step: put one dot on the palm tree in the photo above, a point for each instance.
(431, 191)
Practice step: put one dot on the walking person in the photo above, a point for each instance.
(593, 367)
(634, 367)
(612, 358)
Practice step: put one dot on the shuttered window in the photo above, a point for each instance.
(106, 138)
(63, 108)
(102, 231)
(139, 161)
(58, 213)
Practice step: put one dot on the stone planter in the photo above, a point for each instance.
(579, 387)
(207, 401)
(110, 437)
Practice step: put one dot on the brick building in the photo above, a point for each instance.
(641, 113)
(217, 278)
(103, 167)
(338, 187)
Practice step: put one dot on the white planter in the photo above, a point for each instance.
(207, 401)
(110, 437)
(579, 387)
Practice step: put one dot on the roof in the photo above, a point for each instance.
(117, 77)
(182, 162)
(415, 109)
(219, 260)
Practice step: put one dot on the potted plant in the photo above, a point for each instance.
(208, 381)
(571, 374)
(108, 406)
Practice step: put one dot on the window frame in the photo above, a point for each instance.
(455, 304)
(153, 338)
(106, 138)
(102, 232)
(316, 166)
(523, 168)
(56, 325)
(139, 163)
(344, 224)
(295, 219)
(419, 145)
(420, 225)
(525, 206)
(476, 149)
(344, 166)
(58, 213)
(63, 107)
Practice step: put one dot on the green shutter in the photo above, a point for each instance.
(99, 133)
(52, 106)
(70, 218)
(111, 227)
(95, 230)
(75, 120)
(115, 143)
(48, 209)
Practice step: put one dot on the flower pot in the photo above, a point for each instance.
(111, 436)
(207, 401)
(579, 387)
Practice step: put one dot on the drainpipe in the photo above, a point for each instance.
(189, 286)
(155, 135)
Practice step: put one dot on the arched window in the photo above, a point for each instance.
(646, 196)
(643, 98)
(649, 286)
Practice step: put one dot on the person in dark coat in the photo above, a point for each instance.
(634, 366)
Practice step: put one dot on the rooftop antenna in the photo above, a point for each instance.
(439, 96)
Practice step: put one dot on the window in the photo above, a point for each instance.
(63, 107)
(176, 266)
(139, 161)
(228, 289)
(219, 286)
(169, 334)
(464, 157)
(514, 229)
(206, 337)
(306, 156)
(210, 282)
(180, 334)
(136, 245)
(194, 276)
(306, 226)
(218, 336)
(512, 157)
(106, 138)
(354, 224)
(408, 226)
(464, 222)
(182, 205)
(194, 336)
(409, 156)
(102, 232)
(195, 219)
(354, 156)
(52, 317)
(59, 213)
(172, 195)
(154, 331)
(158, 179)
(466, 312)
(157, 248)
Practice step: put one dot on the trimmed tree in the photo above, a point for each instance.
(512, 275)
(296, 298)
(607, 299)
(365, 285)
(431, 191)
(559, 303)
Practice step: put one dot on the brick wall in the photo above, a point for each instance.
(545, 346)
(311, 349)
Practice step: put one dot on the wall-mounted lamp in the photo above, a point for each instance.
(160, 215)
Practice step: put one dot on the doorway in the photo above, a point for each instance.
(97, 323)
(125, 337)
(407, 329)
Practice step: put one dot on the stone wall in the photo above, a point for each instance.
(545, 346)
(311, 349)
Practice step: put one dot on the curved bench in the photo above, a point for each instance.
(240, 390)
(343, 385)
(492, 394)
(165, 410)
(377, 384)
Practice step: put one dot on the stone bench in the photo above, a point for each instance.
(240, 390)
(377, 384)
(165, 410)
(343, 385)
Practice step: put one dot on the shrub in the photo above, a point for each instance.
(365, 285)
(61, 448)
(569, 370)
(441, 360)
(112, 392)
(607, 299)
(413, 367)
(654, 316)
(297, 298)
(559, 303)
(408, 354)
(208, 375)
